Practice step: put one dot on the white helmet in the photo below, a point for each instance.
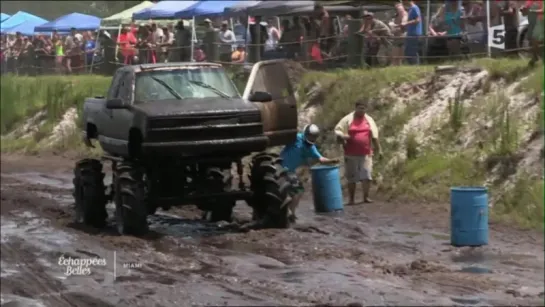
(311, 129)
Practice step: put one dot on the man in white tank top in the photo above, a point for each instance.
(274, 36)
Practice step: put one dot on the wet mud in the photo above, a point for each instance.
(376, 254)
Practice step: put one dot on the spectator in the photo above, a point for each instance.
(228, 40)
(346, 21)
(376, 33)
(451, 13)
(474, 26)
(71, 49)
(41, 54)
(289, 39)
(263, 35)
(534, 10)
(127, 42)
(208, 24)
(151, 44)
(26, 56)
(399, 34)
(198, 54)
(165, 45)
(90, 48)
(509, 11)
(359, 135)
(326, 29)
(183, 43)
(239, 55)
(59, 51)
(414, 31)
(273, 36)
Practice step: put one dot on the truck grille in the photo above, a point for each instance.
(204, 120)
(201, 128)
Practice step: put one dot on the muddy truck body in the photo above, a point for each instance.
(176, 134)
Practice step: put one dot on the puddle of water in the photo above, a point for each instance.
(63, 200)
(410, 234)
(35, 231)
(15, 300)
(38, 178)
(476, 270)
(466, 300)
(5, 271)
(175, 226)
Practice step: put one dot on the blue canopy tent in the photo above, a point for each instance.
(163, 10)
(205, 8)
(27, 27)
(65, 23)
(15, 20)
(4, 16)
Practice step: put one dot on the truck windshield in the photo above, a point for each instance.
(201, 82)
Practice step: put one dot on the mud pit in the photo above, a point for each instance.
(379, 254)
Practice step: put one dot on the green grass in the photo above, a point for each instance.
(23, 97)
(523, 203)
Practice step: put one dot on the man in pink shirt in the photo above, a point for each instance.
(359, 135)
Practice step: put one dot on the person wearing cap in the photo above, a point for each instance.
(301, 152)
(208, 24)
(358, 133)
(376, 33)
(227, 39)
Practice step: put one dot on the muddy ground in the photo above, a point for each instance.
(378, 254)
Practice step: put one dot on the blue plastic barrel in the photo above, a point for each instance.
(468, 216)
(326, 189)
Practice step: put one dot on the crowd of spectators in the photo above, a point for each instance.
(461, 25)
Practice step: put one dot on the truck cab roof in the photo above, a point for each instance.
(160, 66)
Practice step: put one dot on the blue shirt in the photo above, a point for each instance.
(298, 153)
(414, 29)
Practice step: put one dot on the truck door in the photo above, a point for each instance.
(116, 124)
(279, 115)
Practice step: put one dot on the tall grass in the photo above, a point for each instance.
(22, 97)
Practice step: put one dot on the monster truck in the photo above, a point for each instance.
(173, 134)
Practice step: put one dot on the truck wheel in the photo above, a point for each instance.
(271, 185)
(89, 193)
(130, 201)
(257, 184)
(219, 180)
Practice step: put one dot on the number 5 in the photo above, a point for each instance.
(498, 36)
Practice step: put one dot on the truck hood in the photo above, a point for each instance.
(194, 106)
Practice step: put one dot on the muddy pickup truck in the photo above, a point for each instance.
(173, 133)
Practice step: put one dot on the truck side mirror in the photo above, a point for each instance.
(115, 103)
(260, 97)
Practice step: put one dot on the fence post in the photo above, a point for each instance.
(210, 41)
(353, 57)
(305, 50)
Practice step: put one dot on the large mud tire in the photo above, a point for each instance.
(270, 186)
(89, 193)
(216, 210)
(130, 200)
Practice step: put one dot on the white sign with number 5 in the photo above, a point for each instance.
(496, 36)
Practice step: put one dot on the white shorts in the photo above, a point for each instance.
(358, 168)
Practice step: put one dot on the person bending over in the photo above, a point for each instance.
(299, 153)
